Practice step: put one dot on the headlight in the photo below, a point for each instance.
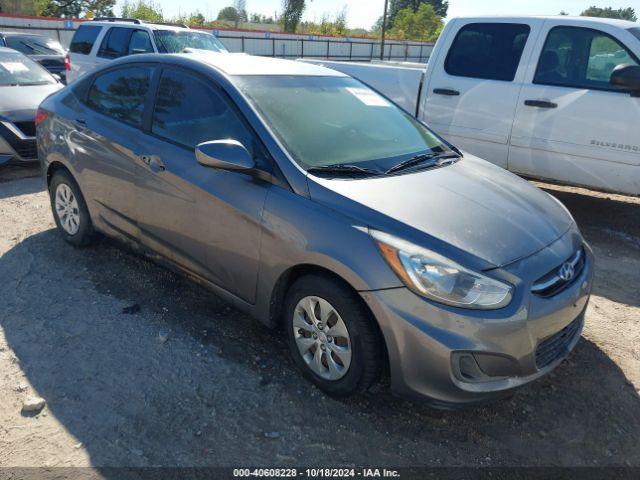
(440, 279)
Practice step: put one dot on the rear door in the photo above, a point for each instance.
(206, 220)
(474, 87)
(82, 44)
(105, 142)
(571, 124)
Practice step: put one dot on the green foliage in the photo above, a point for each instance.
(292, 11)
(328, 25)
(23, 7)
(395, 6)
(608, 12)
(423, 24)
(77, 8)
(229, 14)
(142, 9)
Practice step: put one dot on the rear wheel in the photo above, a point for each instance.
(332, 336)
(69, 209)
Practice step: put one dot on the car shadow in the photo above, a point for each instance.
(30, 182)
(145, 368)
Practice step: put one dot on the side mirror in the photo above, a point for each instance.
(627, 77)
(224, 154)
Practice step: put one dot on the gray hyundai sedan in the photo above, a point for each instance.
(317, 205)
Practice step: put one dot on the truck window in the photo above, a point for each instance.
(140, 42)
(115, 43)
(582, 58)
(490, 51)
(84, 38)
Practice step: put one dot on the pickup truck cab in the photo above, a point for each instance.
(554, 98)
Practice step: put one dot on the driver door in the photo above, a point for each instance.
(206, 220)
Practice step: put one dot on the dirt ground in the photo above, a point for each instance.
(189, 381)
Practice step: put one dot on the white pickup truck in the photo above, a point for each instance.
(554, 98)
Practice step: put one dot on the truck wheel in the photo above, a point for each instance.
(70, 210)
(332, 336)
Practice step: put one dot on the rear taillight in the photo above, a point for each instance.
(67, 62)
(41, 116)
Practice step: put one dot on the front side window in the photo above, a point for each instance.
(140, 42)
(115, 43)
(580, 58)
(121, 94)
(188, 112)
(175, 41)
(84, 39)
(16, 69)
(326, 121)
(34, 45)
(491, 51)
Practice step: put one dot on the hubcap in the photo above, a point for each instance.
(67, 210)
(322, 338)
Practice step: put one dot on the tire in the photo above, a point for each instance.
(74, 222)
(347, 374)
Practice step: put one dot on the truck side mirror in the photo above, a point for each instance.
(627, 77)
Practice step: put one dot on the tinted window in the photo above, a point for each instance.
(581, 58)
(175, 41)
(34, 45)
(188, 112)
(115, 43)
(140, 42)
(636, 32)
(487, 50)
(121, 94)
(84, 39)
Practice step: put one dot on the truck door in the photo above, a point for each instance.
(474, 84)
(571, 124)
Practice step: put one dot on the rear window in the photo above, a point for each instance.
(490, 51)
(84, 39)
(635, 31)
(34, 45)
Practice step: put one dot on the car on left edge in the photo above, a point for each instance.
(24, 84)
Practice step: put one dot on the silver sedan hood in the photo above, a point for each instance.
(471, 205)
(19, 104)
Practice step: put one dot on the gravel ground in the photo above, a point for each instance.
(139, 367)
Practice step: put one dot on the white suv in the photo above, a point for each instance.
(107, 38)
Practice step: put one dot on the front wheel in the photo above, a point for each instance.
(332, 336)
(70, 210)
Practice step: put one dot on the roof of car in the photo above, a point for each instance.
(139, 24)
(586, 20)
(243, 64)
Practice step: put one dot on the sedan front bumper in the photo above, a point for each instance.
(454, 357)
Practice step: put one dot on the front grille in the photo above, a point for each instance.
(28, 128)
(556, 345)
(553, 283)
(26, 149)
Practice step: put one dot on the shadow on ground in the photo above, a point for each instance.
(187, 380)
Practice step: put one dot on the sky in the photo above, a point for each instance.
(364, 13)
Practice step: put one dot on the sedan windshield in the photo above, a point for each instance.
(175, 41)
(16, 69)
(339, 121)
(34, 45)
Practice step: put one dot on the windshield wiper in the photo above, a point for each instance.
(343, 168)
(434, 159)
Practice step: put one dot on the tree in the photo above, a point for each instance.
(78, 8)
(439, 6)
(23, 7)
(291, 14)
(229, 14)
(563, 13)
(422, 25)
(143, 10)
(608, 12)
(196, 19)
(241, 8)
(340, 23)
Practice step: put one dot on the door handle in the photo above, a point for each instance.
(446, 91)
(540, 104)
(153, 162)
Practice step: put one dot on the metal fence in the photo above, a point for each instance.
(270, 44)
